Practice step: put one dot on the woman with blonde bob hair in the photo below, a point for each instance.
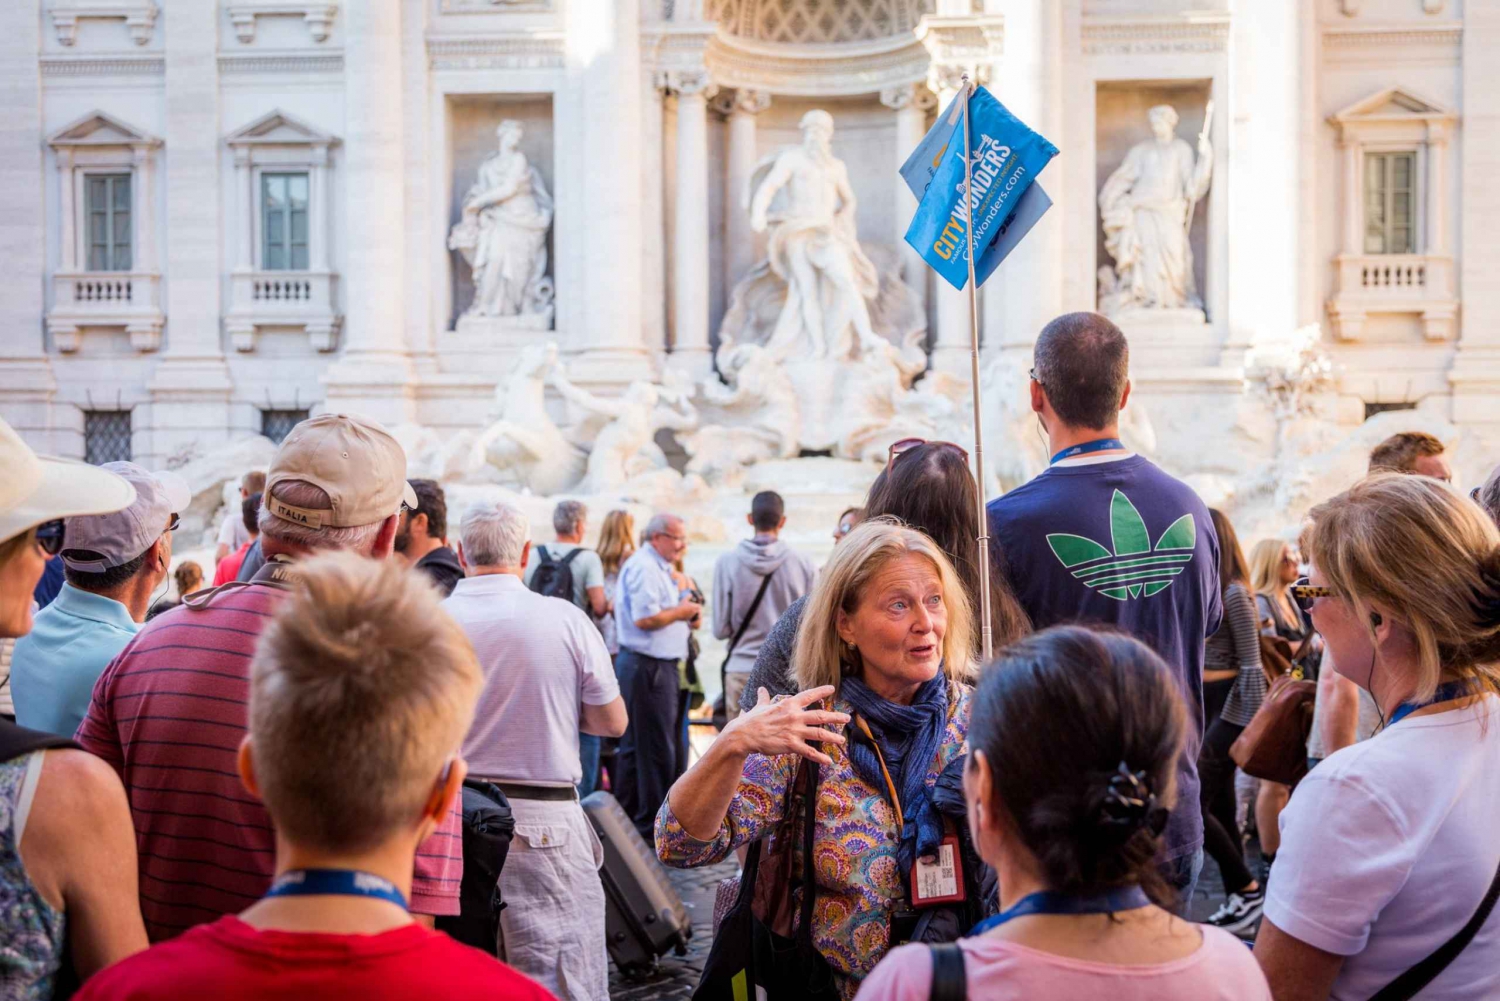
(1388, 855)
(885, 642)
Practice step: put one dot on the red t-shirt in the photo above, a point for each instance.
(231, 961)
(229, 567)
(168, 713)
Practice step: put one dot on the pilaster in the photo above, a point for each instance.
(1475, 375)
(190, 388)
(375, 375)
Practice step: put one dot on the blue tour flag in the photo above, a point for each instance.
(1006, 156)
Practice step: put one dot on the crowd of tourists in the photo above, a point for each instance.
(266, 785)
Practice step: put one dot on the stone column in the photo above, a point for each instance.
(740, 109)
(317, 225)
(911, 103)
(951, 340)
(244, 211)
(690, 348)
(26, 382)
(653, 216)
(602, 53)
(374, 376)
(67, 197)
(145, 219)
(190, 389)
(1475, 373)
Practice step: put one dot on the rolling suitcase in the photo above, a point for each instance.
(643, 914)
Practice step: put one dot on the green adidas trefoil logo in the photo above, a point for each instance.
(1134, 569)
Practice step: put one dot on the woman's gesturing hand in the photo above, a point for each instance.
(788, 726)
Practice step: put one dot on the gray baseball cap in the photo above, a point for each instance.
(97, 542)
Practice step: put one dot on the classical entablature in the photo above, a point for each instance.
(1395, 255)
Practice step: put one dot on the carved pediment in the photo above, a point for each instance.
(100, 129)
(279, 129)
(1393, 104)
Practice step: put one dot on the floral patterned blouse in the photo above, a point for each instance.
(31, 930)
(859, 885)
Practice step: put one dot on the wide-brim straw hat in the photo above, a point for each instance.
(39, 488)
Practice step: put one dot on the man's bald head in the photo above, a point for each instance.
(1082, 362)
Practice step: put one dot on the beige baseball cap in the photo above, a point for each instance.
(354, 459)
(38, 488)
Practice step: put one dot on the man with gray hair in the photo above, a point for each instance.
(569, 570)
(653, 616)
(172, 704)
(547, 678)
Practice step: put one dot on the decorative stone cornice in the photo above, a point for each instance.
(516, 50)
(281, 62)
(139, 17)
(1150, 35)
(494, 6)
(743, 101)
(318, 14)
(821, 71)
(689, 82)
(1351, 40)
(91, 66)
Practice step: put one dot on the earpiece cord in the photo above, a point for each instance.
(1370, 685)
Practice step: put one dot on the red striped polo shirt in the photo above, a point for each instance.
(169, 713)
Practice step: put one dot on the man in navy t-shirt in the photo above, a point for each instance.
(1104, 536)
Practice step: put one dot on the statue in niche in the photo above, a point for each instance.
(813, 248)
(503, 233)
(1146, 207)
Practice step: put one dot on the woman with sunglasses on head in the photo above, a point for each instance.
(1071, 817)
(1389, 863)
(67, 849)
(926, 485)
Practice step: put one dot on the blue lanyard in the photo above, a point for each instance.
(1445, 693)
(335, 882)
(1126, 898)
(1087, 447)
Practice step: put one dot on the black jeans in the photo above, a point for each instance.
(1221, 829)
(647, 756)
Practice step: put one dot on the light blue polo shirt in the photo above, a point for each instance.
(645, 588)
(54, 667)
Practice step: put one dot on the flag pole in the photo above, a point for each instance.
(986, 633)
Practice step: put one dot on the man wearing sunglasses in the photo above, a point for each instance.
(112, 562)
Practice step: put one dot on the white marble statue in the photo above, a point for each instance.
(754, 418)
(1146, 208)
(503, 232)
(620, 432)
(813, 247)
(522, 442)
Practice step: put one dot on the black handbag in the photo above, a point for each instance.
(750, 959)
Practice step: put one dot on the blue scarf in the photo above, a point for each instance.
(908, 737)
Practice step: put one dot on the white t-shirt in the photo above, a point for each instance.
(232, 531)
(542, 658)
(1387, 848)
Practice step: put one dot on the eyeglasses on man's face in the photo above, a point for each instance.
(49, 536)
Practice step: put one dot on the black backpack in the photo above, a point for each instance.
(554, 578)
(488, 827)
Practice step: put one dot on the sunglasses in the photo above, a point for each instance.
(49, 536)
(900, 448)
(176, 521)
(1304, 594)
(1034, 379)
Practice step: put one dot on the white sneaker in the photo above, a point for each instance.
(1240, 912)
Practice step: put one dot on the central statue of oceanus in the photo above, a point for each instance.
(814, 249)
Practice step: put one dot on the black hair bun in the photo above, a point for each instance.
(1128, 804)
